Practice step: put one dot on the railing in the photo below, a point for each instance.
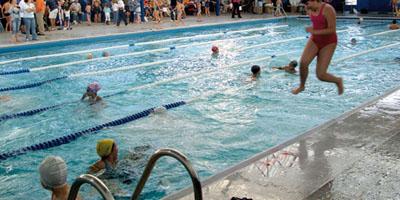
(198, 195)
(93, 181)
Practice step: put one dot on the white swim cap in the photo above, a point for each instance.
(53, 172)
(160, 109)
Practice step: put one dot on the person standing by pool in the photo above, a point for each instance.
(394, 7)
(29, 19)
(322, 44)
(15, 20)
(235, 9)
(180, 8)
(121, 13)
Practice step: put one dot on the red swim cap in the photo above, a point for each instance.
(214, 49)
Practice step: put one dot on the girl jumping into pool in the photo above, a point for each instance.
(322, 44)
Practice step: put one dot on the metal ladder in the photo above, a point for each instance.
(93, 181)
(106, 194)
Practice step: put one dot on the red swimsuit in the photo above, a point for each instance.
(319, 22)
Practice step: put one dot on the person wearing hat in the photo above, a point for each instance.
(91, 92)
(108, 152)
(290, 68)
(53, 177)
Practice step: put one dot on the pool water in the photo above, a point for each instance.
(216, 131)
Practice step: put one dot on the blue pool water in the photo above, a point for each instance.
(215, 131)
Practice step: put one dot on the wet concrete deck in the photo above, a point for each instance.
(355, 156)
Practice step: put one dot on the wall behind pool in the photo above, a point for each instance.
(374, 5)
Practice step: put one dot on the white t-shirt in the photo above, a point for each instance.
(21, 11)
(115, 7)
(26, 6)
(121, 5)
(67, 13)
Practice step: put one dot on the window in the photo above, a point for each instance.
(351, 2)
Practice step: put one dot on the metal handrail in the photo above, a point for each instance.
(93, 181)
(198, 195)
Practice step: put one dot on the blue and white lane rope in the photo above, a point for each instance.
(140, 44)
(32, 85)
(74, 136)
(20, 71)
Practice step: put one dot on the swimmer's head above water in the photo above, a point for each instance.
(255, 69)
(105, 54)
(293, 64)
(214, 49)
(53, 173)
(107, 150)
(89, 56)
(91, 92)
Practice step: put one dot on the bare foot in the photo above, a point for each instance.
(340, 86)
(298, 90)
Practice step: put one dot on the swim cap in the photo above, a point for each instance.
(214, 49)
(89, 56)
(53, 172)
(104, 147)
(293, 63)
(93, 87)
(105, 54)
(255, 69)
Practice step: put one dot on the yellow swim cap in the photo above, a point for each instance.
(104, 147)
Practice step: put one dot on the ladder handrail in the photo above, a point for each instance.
(93, 181)
(198, 195)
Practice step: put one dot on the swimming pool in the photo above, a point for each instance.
(236, 120)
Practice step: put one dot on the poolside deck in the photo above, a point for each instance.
(355, 156)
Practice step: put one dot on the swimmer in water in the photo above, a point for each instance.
(5, 98)
(159, 110)
(105, 54)
(353, 41)
(91, 92)
(89, 56)
(53, 177)
(256, 71)
(394, 25)
(110, 167)
(290, 68)
(215, 50)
